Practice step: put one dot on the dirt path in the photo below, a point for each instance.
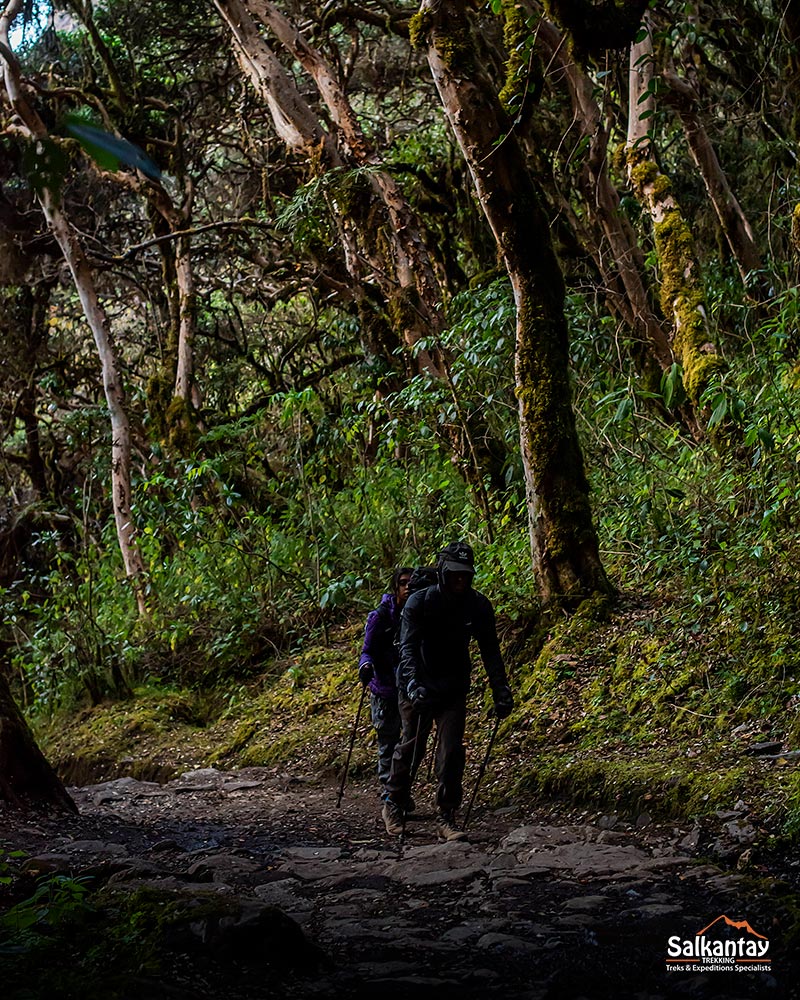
(531, 906)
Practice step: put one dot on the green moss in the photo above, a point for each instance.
(682, 294)
(642, 172)
(419, 28)
(682, 297)
(796, 228)
(654, 783)
(619, 709)
(516, 36)
(453, 44)
(181, 426)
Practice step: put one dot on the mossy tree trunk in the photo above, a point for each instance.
(682, 293)
(608, 233)
(564, 543)
(26, 779)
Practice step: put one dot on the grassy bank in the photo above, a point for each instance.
(626, 708)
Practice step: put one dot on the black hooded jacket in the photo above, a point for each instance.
(436, 628)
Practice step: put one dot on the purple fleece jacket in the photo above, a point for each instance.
(380, 648)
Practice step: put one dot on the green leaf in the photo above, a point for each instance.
(719, 412)
(109, 151)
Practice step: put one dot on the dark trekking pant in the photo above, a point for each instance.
(386, 720)
(450, 757)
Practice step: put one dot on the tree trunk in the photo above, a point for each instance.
(26, 779)
(412, 263)
(301, 129)
(617, 253)
(564, 543)
(96, 318)
(179, 418)
(682, 296)
(733, 222)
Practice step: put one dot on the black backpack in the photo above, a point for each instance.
(422, 578)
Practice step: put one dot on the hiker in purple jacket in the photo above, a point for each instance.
(378, 666)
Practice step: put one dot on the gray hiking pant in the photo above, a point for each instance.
(386, 720)
(450, 755)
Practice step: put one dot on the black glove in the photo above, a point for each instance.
(366, 672)
(417, 694)
(503, 701)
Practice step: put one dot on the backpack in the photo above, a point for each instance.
(422, 578)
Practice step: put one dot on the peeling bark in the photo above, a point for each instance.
(403, 275)
(602, 198)
(412, 261)
(95, 316)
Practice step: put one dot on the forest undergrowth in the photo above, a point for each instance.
(261, 581)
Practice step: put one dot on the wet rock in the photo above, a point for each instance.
(162, 846)
(204, 779)
(740, 831)
(436, 864)
(313, 853)
(613, 837)
(575, 920)
(608, 822)
(46, 864)
(507, 944)
(134, 869)
(531, 836)
(759, 749)
(471, 930)
(95, 848)
(588, 904)
(219, 867)
(258, 935)
(690, 841)
(586, 859)
(651, 911)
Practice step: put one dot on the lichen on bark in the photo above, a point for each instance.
(682, 294)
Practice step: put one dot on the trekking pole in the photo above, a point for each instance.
(482, 769)
(411, 781)
(433, 753)
(352, 744)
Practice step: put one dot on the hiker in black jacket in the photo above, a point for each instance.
(436, 627)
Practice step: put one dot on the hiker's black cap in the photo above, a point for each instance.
(457, 558)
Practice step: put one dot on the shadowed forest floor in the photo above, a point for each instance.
(535, 905)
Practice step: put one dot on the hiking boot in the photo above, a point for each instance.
(446, 828)
(411, 805)
(392, 817)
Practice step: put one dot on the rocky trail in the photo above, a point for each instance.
(284, 895)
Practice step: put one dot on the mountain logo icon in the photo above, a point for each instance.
(739, 925)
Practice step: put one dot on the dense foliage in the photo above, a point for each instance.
(312, 447)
